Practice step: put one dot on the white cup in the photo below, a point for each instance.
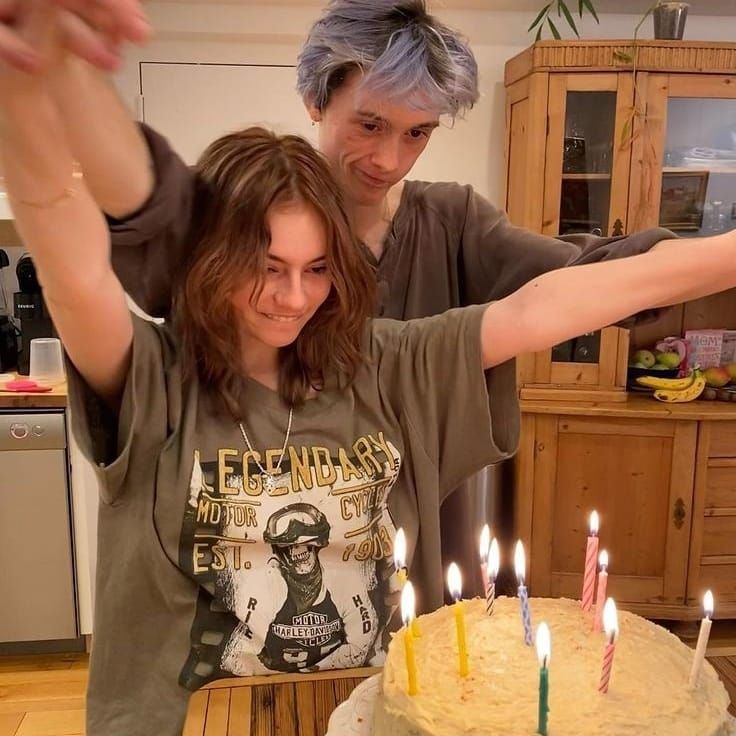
(46, 361)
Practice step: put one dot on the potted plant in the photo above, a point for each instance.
(669, 18)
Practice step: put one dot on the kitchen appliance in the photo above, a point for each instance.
(8, 332)
(30, 309)
(37, 584)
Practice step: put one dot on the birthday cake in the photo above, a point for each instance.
(648, 690)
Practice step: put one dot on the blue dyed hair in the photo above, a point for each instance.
(403, 52)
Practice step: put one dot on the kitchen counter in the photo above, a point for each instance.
(636, 406)
(54, 399)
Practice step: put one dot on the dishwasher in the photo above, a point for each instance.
(37, 585)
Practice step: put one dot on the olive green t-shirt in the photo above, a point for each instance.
(204, 572)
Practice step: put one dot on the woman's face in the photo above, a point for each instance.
(370, 142)
(296, 282)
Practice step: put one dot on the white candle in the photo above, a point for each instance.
(703, 636)
(602, 588)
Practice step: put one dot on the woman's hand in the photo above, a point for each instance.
(94, 30)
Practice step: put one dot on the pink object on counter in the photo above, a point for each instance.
(24, 385)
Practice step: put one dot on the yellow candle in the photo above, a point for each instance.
(407, 614)
(403, 577)
(454, 583)
(462, 649)
(411, 662)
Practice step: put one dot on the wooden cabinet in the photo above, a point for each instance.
(663, 480)
(628, 138)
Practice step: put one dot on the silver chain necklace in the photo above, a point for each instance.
(269, 479)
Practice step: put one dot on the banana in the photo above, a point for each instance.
(689, 393)
(669, 384)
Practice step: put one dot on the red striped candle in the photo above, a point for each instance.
(601, 594)
(591, 560)
(610, 621)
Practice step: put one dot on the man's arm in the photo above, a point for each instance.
(108, 145)
(499, 257)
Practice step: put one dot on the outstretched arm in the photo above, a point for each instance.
(59, 222)
(567, 302)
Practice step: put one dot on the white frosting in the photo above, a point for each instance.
(648, 691)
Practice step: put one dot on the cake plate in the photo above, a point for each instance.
(355, 716)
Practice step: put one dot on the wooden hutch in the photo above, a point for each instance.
(629, 137)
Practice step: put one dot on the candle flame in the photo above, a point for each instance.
(400, 549)
(594, 523)
(485, 541)
(708, 604)
(407, 603)
(454, 581)
(520, 561)
(610, 619)
(544, 644)
(494, 560)
(603, 560)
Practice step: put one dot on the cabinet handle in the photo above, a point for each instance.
(678, 513)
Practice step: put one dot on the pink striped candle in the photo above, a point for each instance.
(610, 622)
(602, 588)
(591, 558)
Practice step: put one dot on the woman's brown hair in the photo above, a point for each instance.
(240, 177)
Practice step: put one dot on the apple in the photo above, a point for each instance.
(716, 376)
(670, 360)
(645, 357)
(659, 367)
(731, 368)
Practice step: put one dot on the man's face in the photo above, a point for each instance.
(371, 143)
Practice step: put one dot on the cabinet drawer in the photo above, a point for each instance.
(721, 579)
(722, 439)
(719, 536)
(720, 488)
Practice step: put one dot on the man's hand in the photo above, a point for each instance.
(94, 30)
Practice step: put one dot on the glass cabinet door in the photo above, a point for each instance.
(587, 155)
(698, 190)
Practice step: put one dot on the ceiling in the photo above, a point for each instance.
(697, 7)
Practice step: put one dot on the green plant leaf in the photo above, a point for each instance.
(539, 17)
(589, 5)
(580, 8)
(553, 28)
(569, 18)
(539, 33)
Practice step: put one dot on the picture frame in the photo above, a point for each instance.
(683, 199)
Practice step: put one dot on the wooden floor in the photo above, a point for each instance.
(44, 696)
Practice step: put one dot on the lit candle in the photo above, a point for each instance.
(602, 588)
(400, 566)
(400, 555)
(544, 649)
(591, 557)
(407, 615)
(610, 623)
(494, 561)
(526, 618)
(485, 543)
(489, 564)
(454, 584)
(703, 636)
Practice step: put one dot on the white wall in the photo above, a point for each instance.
(249, 33)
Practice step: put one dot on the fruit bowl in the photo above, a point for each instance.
(632, 373)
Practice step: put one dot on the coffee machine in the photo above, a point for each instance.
(8, 331)
(30, 309)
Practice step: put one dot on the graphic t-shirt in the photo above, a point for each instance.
(215, 560)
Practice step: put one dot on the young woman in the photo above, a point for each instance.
(256, 454)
